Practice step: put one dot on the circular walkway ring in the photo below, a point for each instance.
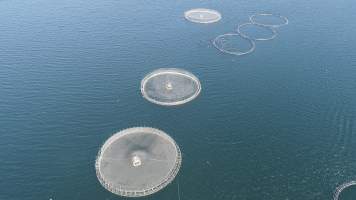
(175, 71)
(239, 53)
(272, 30)
(188, 15)
(253, 20)
(340, 188)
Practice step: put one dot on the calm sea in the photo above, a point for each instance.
(277, 124)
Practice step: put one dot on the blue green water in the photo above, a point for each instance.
(279, 123)
(348, 193)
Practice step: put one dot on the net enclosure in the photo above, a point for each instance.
(137, 162)
(269, 19)
(170, 86)
(230, 43)
(202, 15)
(269, 33)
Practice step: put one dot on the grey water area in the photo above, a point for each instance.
(278, 123)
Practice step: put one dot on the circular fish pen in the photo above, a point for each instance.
(273, 32)
(202, 15)
(283, 20)
(137, 162)
(341, 188)
(221, 43)
(170, 87)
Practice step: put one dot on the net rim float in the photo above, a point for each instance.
(342, 187)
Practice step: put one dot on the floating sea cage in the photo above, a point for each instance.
(202, 15)
(223, 43)
(137, 162)
(170, 86)
(241, 27)
(258, 19)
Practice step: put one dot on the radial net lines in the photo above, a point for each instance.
(170, 86)
(138, 162)
(202, 15)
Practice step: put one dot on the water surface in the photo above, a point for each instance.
(279, 123)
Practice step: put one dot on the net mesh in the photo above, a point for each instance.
(170, 87)
(138, 162)
(202, 15)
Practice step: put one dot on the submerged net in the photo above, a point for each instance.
(227, 43)
(268, 19)
(272, 33)
(170, 87)
(138, 162)
(202, 15)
